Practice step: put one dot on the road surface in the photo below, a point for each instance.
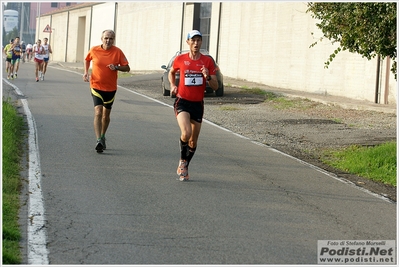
(245, 203)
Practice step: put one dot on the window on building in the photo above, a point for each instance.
(205, 23)
(53, 4)
(68, 4)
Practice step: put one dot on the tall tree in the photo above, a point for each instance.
(366, 28)
(8, 36)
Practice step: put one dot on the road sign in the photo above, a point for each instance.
(47, 29)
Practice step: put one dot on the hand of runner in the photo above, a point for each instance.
(173, 90)
(111, 67)
(205, 71)
(86, 77)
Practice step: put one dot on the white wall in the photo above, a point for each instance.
(268, 42)
(149, 32)
(103, 18)
(59, 37)
(264, 42)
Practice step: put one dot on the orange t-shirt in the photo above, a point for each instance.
(102, 77)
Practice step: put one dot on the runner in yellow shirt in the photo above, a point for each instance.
(8, 52)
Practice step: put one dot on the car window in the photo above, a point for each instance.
(203, 51)
(214, 62)
(170, 64)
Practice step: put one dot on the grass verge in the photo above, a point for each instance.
(255, 91)
(377, 163)
(12, 140)
(279, 101)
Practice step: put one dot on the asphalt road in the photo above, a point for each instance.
(245, 203)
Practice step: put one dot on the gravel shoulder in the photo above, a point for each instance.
(303, 128)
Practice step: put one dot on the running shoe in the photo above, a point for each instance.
(103, 142)
(183, 178)
(15, 75)
(42, 77)
(182, 170)
(99, 146)
(8, 77)
(37, 79)
(12, 77)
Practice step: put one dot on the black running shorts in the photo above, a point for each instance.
(195, 109)
(103, 98)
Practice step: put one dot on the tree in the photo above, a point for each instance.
(11, 35)
(366, 28)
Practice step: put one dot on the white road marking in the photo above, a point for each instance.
(343, 180)
(37, 249)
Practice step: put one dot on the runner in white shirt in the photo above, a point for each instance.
(29, 48)
(38, 50)
(47, 50)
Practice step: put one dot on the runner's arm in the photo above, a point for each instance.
(86, 65)
(172, 80)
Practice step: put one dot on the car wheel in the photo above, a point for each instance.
(220, 91)
(164, 91)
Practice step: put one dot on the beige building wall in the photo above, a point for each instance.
(78, 34)
(59, 36)
(149, 33)
(41, 23)
(214, 33)
(268, 42)
(187, 24)
(264, 42)
(103, 18)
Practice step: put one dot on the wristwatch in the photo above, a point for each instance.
(116, 67)
(208, 78)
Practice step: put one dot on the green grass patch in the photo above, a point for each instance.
(12, 140)
(283, 103)
(337, 120)
(271, 96)
(278, 101)
(255, 91)
(122, 74)
(377, 163)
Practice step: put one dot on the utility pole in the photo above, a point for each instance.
(38, 24)
(21, 33)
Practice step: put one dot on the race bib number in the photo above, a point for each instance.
(193, 79)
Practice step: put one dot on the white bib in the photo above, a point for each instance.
(193, 79)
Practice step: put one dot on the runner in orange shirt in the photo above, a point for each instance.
(106, 60)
